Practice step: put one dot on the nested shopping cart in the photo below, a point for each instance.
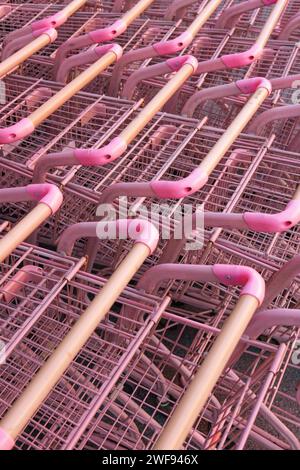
(134, 412)
(116, 147)
(138, 176)
(171, 178)
(76, 329)
(78, 30)
(219, 52)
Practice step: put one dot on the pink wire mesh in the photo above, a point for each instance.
(124, 400)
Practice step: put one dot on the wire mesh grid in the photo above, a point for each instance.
(87, 380)
(150, 391)
(30, 278)
(253, 21)
(272, 186)
(280, 58)
(84, 120)
(151, 159)
(141, 32)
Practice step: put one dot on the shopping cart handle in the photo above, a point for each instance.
(135, 55)
(16, 44)
(160, 189)
(139, 230)
(182, 188)
(250, 85)
(53, 21)
(93, 37)
(230, 16)
(266, 319)
(17, 131)
(145, 73)
(173, 45)
(83, 58)
(274, 114)
(241, 59)
(229, 275)
(87, 157)
(246, 86)
(281, 279)
(290, 27)
(274, 223)
(45, 193)
(102, 156)
(109, 33)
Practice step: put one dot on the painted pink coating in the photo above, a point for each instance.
(53, 21)
(86, 57)
(16, 132)
(250, 85)
(16, 283)
(177, 62)
(173, 45)
(271, 318)
(151, 279)
(252, 282)
(101, 50)
(241, 59)
(102, 156)
(139, 230)
(51, 33)
(109, 33)
(6, 441)
(274, 222)
(269, 2)
(46, 193)
(19, 42)
(182, 188)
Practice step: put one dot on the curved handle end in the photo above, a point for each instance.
(16, 132)
(252, 282)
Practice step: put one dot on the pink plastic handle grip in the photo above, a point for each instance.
(16, 44)
(173, 45)
(48, 194)
(16, 132)
(139, 230)
(102, 50)
(109, 33)
(86, 57)
(6, 441)
(102, 156)
(230, 275)
(182, 188)
(241, 59)
(53, 21)
(250, 85)
(51, 33)
(241, 275)
(274, 222)
(176, 63)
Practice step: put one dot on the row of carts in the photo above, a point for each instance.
(149, 227)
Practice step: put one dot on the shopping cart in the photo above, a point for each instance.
(30, 40)
(228, 419)
(114, 148)
(124, 415)
(224, 54)
(75, 334)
